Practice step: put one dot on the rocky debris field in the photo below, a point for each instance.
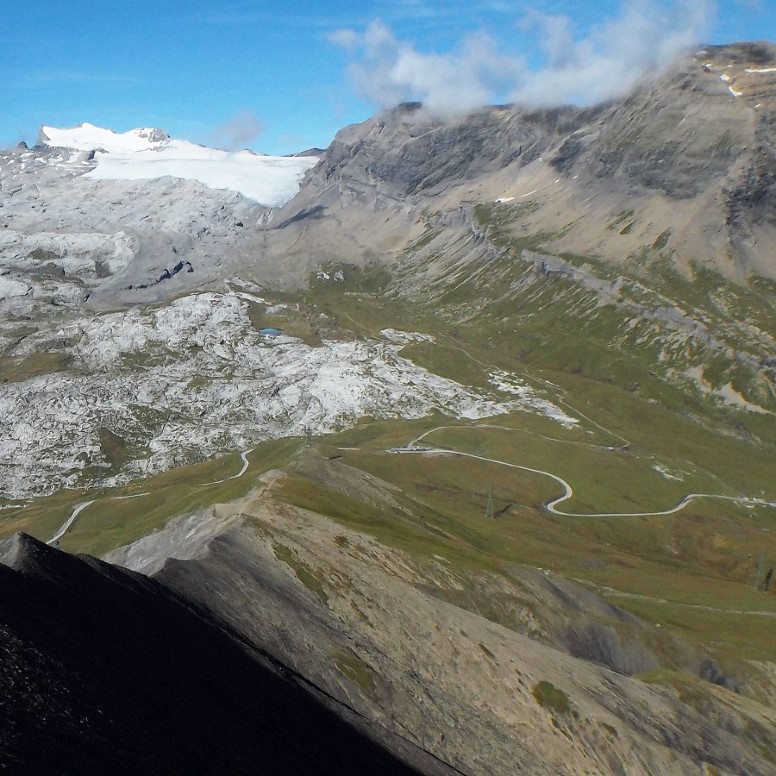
(132, 393)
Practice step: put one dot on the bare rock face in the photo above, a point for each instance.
(684, 152)
(399, 152)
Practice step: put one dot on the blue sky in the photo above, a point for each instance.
(283, 77)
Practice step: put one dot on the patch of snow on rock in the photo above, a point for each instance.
(529, 401)
(88, 137)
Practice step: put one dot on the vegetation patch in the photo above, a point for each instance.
(548, 696)
(15, 369)
(622, 216)
(501, 219)
(662, 240)
(309, 578)
(429, 235)
(113, 448)
(358, 671)
(487, 652)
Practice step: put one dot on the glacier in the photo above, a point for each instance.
(148, 154)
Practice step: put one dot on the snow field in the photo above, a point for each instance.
(146, 154)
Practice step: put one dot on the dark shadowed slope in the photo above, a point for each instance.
(105, 671)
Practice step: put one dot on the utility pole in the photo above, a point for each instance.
(758, 580)
(490, 512)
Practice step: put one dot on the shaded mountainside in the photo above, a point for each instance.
(418, 622)
(283, 642)
(103, 670)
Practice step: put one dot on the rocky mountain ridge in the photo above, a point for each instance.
(681, 153)
(377, 633)
(99, 673)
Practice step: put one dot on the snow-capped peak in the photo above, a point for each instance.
(88, 137)
(146, 153)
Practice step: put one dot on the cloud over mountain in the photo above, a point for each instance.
(238, 131)
(557, 65)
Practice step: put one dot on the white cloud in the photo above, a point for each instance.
(346, 39)
(387, 71)
(238, 131)
(642, 41)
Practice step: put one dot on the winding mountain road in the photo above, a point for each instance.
(412, 449)
(568, 491)
(65, 527)
(246, 464)
(70, 520)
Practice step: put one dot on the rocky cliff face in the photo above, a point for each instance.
(689, 149)
(400, 152)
